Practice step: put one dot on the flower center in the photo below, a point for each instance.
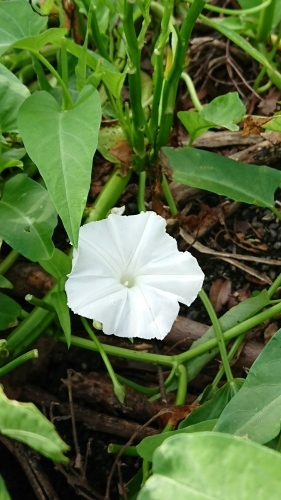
(127, 280)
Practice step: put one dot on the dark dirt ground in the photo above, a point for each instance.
(64, 383)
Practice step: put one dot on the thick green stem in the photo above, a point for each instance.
(8, 261)
(134, 79)
(171, 82)
(274, 287)
(109, 195)
(182, 385)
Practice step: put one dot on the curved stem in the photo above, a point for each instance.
(220, 339)
(66, 94)
(234, 12)
(119, 390)
(192, 92)
(18, 361)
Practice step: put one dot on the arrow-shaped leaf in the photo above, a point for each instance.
(62, 145)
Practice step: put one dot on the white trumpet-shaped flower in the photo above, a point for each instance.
(129, 275)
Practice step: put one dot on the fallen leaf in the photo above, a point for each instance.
(219, 293)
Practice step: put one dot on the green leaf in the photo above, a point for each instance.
(17, 21)
(4, 495)
(9, 312)
(11, 157)
(207, 465)
(194, 123)
(148, 445)
(214, 407)
(225, 111)
(255, 412)
(274, 124)
(4, 283)
(254, 184)
(35, 43)
(27, 218)
(68, 139)
(12, 95)
(237, 314)
(110, 76)
(59, 265)
(25, 423)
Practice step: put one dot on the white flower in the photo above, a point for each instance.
(129, 275)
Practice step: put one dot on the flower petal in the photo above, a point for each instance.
(179, 274)
(141, 312)
(129, 275)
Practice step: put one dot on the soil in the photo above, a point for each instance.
(71, 387)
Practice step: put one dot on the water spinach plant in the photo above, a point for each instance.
(54, 92)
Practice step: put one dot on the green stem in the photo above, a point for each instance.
(39, 303)
(192, 92)
(234, 12)
(168, 195)
(171, 82)
(276, 212)
(9, 261)
(157, 60)
(231, 354)
(182, 385)
(108, 196)
(217, 328)
(141, 192)
(30, 329)
(265, 20)
(67, 98)
(149, 391)
(119, 390)
(172, 361)
(18, 361)
(143, 357)
(275, 285)
(230, 334)
(129, 451)
(246, 46)
(134, 79)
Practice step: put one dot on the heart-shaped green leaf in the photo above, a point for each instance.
(255, 412)
(35, 43)
(24, 422)
(214, 466)
(62, 145)
(12, 95)
(27, 218)
(17, 21)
